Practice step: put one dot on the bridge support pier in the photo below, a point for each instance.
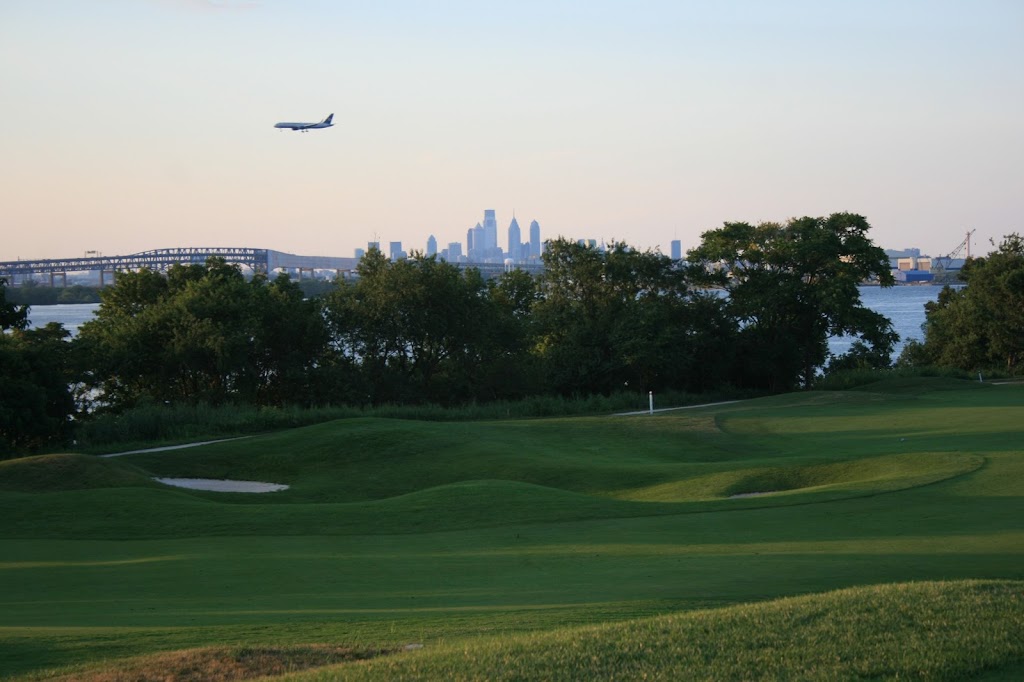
(64, 279)
(103, 279)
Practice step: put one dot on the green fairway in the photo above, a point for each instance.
(517, 536)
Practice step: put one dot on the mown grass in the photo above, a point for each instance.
(923, 630)
(500, 536)
(905, 631)
(151, 424)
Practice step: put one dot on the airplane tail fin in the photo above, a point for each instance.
(328, 119)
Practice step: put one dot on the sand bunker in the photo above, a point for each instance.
(223, 486)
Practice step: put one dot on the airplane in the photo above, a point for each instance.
(304, 127)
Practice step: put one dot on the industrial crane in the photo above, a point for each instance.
(942, 262)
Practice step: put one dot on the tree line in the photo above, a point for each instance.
(752, 307)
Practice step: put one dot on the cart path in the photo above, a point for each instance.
(174, 447)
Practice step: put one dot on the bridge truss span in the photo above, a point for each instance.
(259, 260)
(157, 259)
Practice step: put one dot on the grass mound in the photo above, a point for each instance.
(797, 484)
(52, 473)
(933, 630)
(477, 503)
(862, 476)
(919, 385)
(218, 664)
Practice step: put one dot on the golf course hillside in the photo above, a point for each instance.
(875, 533)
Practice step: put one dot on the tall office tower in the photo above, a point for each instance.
(535, 239)
(515, 240)
(395, 251)
(454, 252)
(360, 253)
(476, 252)
(677, 249)
(431, 246)
(490, 231)
(370, 246)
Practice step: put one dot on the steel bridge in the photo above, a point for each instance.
(157, 259)
(259, 260)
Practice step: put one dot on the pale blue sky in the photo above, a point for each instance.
(129, 125)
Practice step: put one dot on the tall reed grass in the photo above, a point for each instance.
(844, 380)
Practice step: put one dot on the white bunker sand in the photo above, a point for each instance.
(741, 495)
(223, 486)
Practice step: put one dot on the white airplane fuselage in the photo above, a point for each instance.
(303, 127)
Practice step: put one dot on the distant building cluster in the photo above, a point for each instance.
(481, 245)
(910, 267)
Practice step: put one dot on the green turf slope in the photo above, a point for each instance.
(905, 631)
(400, 531)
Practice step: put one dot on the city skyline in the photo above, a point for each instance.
(482, 245)
(429, 246)
(142, 124)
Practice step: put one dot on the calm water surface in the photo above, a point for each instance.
(903, 305)
(71, 315)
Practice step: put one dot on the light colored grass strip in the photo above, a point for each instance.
(932, 631)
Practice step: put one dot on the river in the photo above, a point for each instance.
(904, 305)
(71, 315)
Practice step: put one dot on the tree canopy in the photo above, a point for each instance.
(617, 318)
(12, 316)
(979, 326)
(419, 329)
(202, 333)
(36, 402)
(792, 286)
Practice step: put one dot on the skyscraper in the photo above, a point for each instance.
(515, 240)
(535, 239)
(475, 241)
(396, 252)
(677, 249)
(431, 246)
(490, 231)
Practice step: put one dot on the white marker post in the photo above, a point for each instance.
(650, 400)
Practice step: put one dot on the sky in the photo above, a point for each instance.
(130, 125)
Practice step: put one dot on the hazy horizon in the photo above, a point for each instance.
(132, 125)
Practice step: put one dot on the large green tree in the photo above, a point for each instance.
(203, 333)
(36, 403)
(792, 286)
(980, 326)
(622, 319)
(417, 328)
(12, 316)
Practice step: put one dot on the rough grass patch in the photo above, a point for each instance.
(932, 630)
(49, 473)
(218, 664)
